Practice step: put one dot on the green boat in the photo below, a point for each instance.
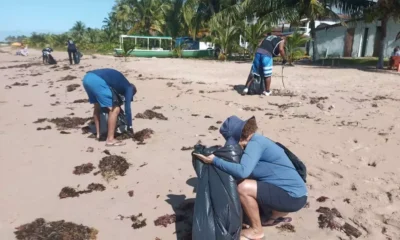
(159, 47)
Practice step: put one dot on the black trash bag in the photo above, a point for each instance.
(217, 210)
(257, 85)
(51, 60)
(297, 163)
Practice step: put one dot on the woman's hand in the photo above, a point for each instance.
(205, 159)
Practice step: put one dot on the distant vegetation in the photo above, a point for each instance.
(221, 22)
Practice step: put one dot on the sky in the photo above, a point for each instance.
(56, 16)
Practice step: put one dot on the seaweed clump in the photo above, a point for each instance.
(40, 229)
(112, 166)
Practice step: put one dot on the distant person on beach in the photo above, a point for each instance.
(45, 54)
(267, 178)
(72, 51)
(106, 88)
(271, 46)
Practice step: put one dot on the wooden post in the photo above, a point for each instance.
(148, 43)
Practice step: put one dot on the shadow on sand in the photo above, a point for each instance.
(183, 208)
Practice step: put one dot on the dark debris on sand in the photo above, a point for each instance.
(69, 122)
(64, 132)
(25, 65)
(285, 105)
(252, 109)
(123, 136)
(72, 87)
(112, 166)
(156, 107)
(315, 100)
(67, 78)
(283, 93)
(81, 101)
(57, 230)
(131, 193)
(43, 128)
(69, 192)
(150, 114)
(286, 227)
(322, 199)
(18, 84)
(83, 169)
(40, 120)
(212, 128)
(187, 148)
(138, 221)
(332, 219)
(143, 135)
(165, 220)
(96, 187)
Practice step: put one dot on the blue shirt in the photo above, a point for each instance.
(265, 161)
(121, 85)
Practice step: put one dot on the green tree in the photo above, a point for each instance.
(384, 10)
(224, 34)
(253, 34)
(145, 16)
(294, 45)
(78, 30)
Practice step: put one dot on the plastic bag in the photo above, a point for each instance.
(217, 210)
(257, 85)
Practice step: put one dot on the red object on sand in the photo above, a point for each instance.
(395, 62)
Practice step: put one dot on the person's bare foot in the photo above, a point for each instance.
(252, 233)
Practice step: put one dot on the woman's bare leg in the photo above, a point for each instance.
(248, 193)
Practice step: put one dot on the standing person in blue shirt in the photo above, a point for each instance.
(268, 179)
(270, 47)
(72, 51)
(100, 85)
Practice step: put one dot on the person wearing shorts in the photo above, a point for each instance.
(267, 178)
(271, 46)
(102, 85)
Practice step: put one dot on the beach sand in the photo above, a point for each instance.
(349, 142)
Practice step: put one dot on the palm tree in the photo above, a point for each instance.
(78, 30)
(293, 46)
(145, 16)
(110, 27)
(253, 33)
(223, 34)
(174, 18)
(384, 10)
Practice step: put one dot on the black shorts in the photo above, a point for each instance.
(271, 197)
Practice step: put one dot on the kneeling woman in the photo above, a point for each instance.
(268, 178)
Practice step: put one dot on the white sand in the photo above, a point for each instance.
(35, 165)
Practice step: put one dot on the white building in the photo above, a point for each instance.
(357, 39)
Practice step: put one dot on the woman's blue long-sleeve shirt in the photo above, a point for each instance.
(265, 161)
(118, 81)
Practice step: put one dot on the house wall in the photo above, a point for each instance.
(330, 41)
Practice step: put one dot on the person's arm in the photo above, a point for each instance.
(248, 162)
(282, 49)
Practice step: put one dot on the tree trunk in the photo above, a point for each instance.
(315, 56)
(382, 43)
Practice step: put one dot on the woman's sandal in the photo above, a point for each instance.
(115, 144)
(243, 236)
(277, 221)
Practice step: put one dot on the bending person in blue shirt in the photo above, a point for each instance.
(268, 179)
(98, 85)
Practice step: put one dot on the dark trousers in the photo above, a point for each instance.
(71, 53)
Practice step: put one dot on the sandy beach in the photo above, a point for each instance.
(343, 123)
